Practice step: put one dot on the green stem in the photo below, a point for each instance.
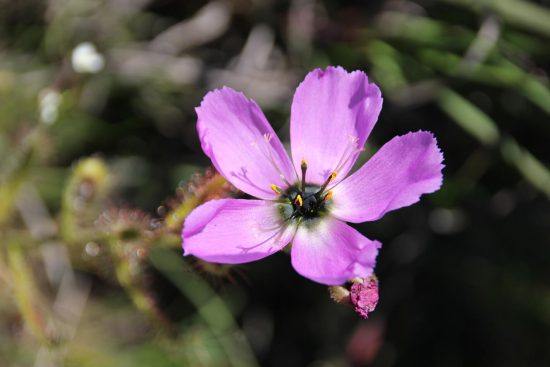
(211, 308)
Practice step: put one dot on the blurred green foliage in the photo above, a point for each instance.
(100, 164)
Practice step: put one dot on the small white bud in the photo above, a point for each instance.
(86, 59)
(49, 102)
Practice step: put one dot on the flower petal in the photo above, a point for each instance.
(243, 147)
(333, 113)
(234, 231)
(403, 169)
(331, 252)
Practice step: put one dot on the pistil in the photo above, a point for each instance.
(304, 169)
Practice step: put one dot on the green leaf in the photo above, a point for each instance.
(469, 117)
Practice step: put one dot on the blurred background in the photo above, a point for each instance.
(100, 163)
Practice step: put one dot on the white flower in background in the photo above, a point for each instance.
(49, 101)
(86, 58)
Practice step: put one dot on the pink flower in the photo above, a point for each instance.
(364, 295)
(307, 200)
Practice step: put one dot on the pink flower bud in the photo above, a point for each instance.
(364, 295)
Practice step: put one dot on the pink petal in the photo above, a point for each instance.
(331, 252)
(403, 169)
(333, 113)
(243, 147)
(233, 231)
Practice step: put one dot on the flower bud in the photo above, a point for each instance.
(364, 295)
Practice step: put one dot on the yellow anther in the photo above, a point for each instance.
(333, 175)
(328, 196)
(303, 163)
(276, 189)
(299, 201)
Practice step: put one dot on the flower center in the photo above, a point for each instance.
(303, 201)
(306, 204)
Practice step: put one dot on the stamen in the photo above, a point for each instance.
(330, 178)
(328, 196)
(276, 189)
(304, 169)
(299, 201)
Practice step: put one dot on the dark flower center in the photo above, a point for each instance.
(303, 201)
(307, 204)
